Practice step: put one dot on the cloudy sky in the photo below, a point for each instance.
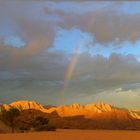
(66, 52)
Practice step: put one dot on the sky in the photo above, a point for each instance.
(63, 52)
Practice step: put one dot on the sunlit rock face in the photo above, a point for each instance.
(85, 110)
(88, 111)
(135, 114)
(22, 105)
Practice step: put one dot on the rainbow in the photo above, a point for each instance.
(69, 70)
(71, 66)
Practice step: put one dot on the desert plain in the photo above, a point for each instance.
(64, 134)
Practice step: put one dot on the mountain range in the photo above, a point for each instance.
(90, 116)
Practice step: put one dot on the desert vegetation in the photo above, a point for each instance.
(41, 124)
(37, 124)
(9, 117)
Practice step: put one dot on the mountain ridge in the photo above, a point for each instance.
(76, 116)
(74, 109)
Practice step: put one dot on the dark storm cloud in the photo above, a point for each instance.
(95, 74)
(26, 21)
(107, 24)
(37, 25)
(46, 65)
(34, 72)
(117, 67)
(41, 77)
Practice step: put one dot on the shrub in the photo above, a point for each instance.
(24, 128)
(41, 124)
(39, 121)
(9, 116)
(45, 128)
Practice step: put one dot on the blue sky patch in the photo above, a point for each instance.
(14, 41)
(67, 40)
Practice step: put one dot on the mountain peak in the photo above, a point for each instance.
(24, 104)
(76, 109)
(75, 105)
(105, 107)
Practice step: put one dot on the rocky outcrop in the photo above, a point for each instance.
(23, 105)
(87, 111)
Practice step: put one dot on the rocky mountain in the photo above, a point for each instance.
(88, 111)
(90, 116)
(23, 105)
(135, 114)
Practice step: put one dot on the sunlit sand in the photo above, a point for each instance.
(74, 135)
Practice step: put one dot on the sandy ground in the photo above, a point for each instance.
(74, 135)
(4, 128)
